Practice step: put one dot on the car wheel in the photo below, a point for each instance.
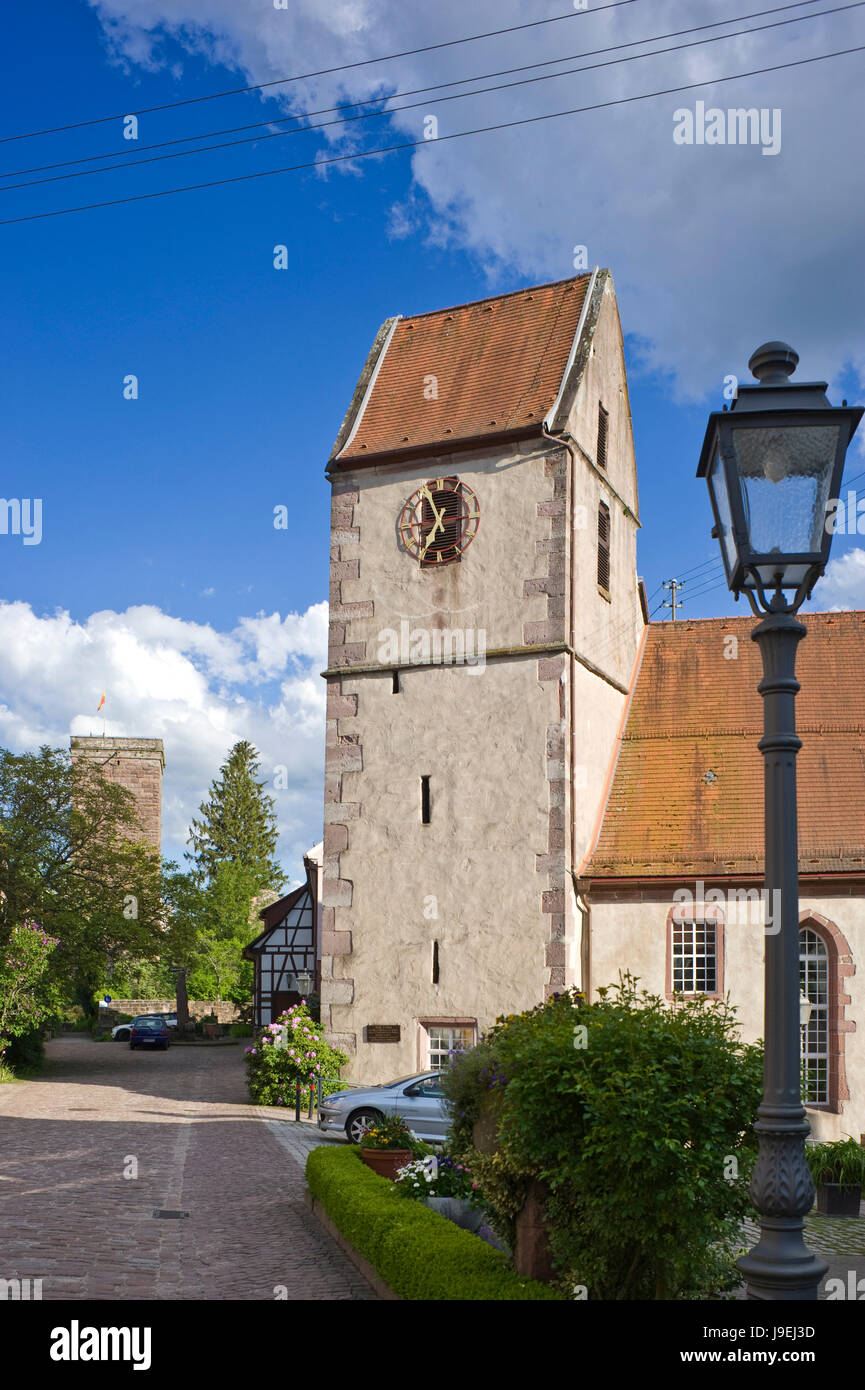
(132, 1047)
(358, 1122)
(122, 1037)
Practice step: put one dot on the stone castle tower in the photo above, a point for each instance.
(136, 764)
(485, 618)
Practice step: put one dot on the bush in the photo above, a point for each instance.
(288, 1052)
(241, 1030)
(419, 1254)
(26, 1053)
(637, 1116)
(470, 1084)
(840, 1162)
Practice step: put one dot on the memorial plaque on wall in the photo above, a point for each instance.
(382, 1032)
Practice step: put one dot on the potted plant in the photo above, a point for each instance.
(387, 1146)
(210, 1025)
(838, 1170)
(446, 1185)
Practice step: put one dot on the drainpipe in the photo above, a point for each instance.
(564, 441)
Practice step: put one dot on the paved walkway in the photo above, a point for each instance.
(840, 1241)
(70, 1216)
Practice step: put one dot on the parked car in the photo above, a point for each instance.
(149, 1031)
(418, 1098)
(121, 1032)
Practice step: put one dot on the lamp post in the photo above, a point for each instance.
(773, 464)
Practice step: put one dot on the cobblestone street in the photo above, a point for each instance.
(70, 1217)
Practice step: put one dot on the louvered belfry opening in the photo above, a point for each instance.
(604, 546)
(601, 452)
(450, 506)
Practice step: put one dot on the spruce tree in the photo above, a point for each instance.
(238, 823)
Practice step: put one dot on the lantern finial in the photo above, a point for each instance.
(773, 363)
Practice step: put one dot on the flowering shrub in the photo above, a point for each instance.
(25, 995)
(289, 1051)
(437, 1176)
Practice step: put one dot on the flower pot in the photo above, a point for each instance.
(385, 1162)
(835, 1200)
(211, 1030)
(459, 1210)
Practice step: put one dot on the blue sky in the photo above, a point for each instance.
(160, 575)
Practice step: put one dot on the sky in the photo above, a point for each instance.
(164, 387)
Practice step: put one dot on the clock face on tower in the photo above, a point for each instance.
(439, 521)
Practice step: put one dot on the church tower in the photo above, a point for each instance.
(485, 620)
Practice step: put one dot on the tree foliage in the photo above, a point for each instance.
(637, 1116)
(238, 823)
(68, 860)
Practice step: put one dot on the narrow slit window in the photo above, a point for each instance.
(604, 546)
(396, 682)
(603, 419)
(435, 963)
(424, 801)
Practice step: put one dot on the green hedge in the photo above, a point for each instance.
(418, 1253)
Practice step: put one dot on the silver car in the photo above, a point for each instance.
(418, 1099)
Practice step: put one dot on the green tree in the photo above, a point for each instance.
(70, 861)
(225, 928)
(238, 823)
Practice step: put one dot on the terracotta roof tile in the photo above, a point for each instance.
(695, 712)
(498, 365)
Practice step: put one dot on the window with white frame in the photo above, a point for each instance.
(695, 957)
(443, 1040)
(814, 984)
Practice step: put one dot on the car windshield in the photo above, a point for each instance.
(412, 1076)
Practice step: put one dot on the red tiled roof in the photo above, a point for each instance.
(694, 712)
(498, 364)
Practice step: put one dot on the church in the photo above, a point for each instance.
(528, 785)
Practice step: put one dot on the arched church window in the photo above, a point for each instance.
(825, 962)
(814, 984)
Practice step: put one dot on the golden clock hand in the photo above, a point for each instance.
(438, 524)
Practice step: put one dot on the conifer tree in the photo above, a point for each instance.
(238, 824)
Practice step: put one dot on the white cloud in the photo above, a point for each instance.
(843, 585)
(714, 249)
(197, 689)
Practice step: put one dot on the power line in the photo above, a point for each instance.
(322, 72)
(439, 86)
(441, 139)
(705, 564)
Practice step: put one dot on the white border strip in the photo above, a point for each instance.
(551, 414)
(369, 386)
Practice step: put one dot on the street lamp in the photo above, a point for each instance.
(773, 464)
(304, 981)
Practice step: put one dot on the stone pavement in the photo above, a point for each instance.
(840, 1240)
(178, 1123)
